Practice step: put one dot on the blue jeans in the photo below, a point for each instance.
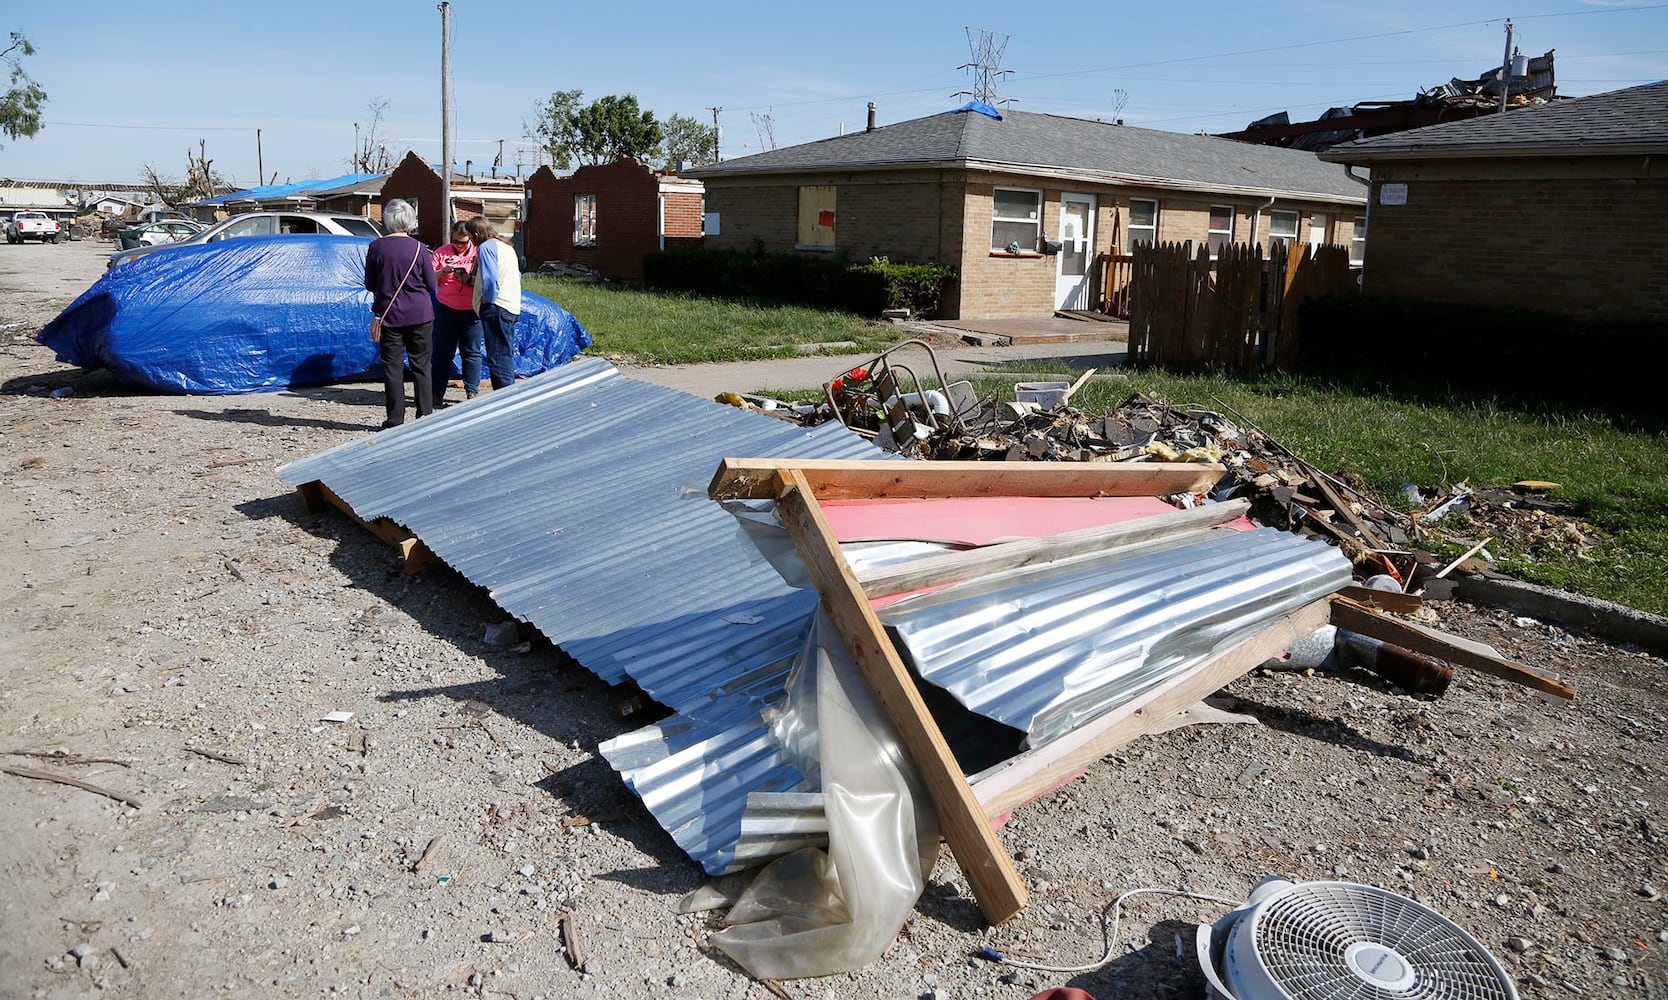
(498, 325)
(457, 330)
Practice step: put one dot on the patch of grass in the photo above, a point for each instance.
(1612, 466)
(649, 327)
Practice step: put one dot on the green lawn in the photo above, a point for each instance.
(637, 326)
(1613, 467)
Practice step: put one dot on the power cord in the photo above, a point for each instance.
(1108, 932)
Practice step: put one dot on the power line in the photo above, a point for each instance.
(155, 128)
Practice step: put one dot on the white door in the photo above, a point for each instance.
(1317, 231)
(1077, 242)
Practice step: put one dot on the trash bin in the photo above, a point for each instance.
(129, 239)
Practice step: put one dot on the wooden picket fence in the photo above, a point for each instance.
(1239, 312)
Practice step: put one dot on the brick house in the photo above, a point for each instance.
(1557, 208)
(607, 216)
(498, 198)
(1021, 203)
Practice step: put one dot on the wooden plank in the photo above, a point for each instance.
(840, 479)
(1023, 778)
(1400, 603)
(312, 497)
(1348, 614)
(996, 885)
(949, 567)
(415, 556)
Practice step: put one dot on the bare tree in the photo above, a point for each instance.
(370, 147)
(765, 125)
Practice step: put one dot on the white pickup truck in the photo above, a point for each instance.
(32, 226)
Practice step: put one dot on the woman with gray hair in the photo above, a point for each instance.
(401, 282)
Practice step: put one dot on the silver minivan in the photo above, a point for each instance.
(267, 224)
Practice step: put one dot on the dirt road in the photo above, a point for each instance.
(179, 629)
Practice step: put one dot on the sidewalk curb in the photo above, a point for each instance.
(1590, 614)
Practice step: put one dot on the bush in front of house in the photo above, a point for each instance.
(832, 282)
(1510, 353)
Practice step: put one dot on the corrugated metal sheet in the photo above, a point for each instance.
(1046, 648)
(581, 507)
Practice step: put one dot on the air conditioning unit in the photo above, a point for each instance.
(1324, 940)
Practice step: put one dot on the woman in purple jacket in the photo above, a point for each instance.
(401, 282)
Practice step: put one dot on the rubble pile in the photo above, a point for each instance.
(884, 400)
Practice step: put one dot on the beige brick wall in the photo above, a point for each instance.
(921, 216)
(1581, 237)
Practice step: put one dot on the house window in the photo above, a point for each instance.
(816, 217)
(1221, 231)
(1282, 230)
(584, 220)
(1358, 242)
(1016, 220)
(1143, 223)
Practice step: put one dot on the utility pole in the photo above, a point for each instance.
(717, 137)
(1506, 67)
(445, 122)
(260, 166)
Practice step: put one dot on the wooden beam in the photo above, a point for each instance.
(996, 885)
(415, 556)
(1357, 617)
(837, 479)
(1398, 602)
(950, 567)
(1020, 779)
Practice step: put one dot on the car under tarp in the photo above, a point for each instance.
(254, 314)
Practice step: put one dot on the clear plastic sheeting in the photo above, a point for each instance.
(256, 313)
(1047, 648)
(815, 912)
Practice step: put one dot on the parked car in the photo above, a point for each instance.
(265, 224)
(110, 227)
(33, 226)
(155, 233)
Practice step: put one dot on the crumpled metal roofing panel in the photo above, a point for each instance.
(578, 499)
(1046, 648)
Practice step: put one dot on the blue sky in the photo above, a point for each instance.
(129, 84)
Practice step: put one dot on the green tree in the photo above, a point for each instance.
(613, 127)
(20, 106)
(555, 126)
(688, 142)
(600, 132)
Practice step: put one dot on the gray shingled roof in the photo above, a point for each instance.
(1622, 121)
(1033, 143)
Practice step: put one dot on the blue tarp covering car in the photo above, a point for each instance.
(254, 314)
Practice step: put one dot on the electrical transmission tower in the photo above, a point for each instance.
(986, 68)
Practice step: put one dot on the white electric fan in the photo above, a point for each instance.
(1342, 941)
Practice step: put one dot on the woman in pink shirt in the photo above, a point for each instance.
(456, 326)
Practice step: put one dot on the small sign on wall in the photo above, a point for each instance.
(1392, 194)
(709, 224)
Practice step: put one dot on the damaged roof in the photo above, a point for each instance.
(1622, 122)
(1077, 148)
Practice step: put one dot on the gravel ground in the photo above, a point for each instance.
(170, 596)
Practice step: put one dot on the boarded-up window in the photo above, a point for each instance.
(816, 217)
(584, 220)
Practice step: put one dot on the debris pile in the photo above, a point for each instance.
(904, 411)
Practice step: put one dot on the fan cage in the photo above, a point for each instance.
(1306, 943)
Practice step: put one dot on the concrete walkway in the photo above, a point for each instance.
(955, 357)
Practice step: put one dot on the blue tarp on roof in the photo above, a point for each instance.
(256, 313)
(266, 192)
(979, 107)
